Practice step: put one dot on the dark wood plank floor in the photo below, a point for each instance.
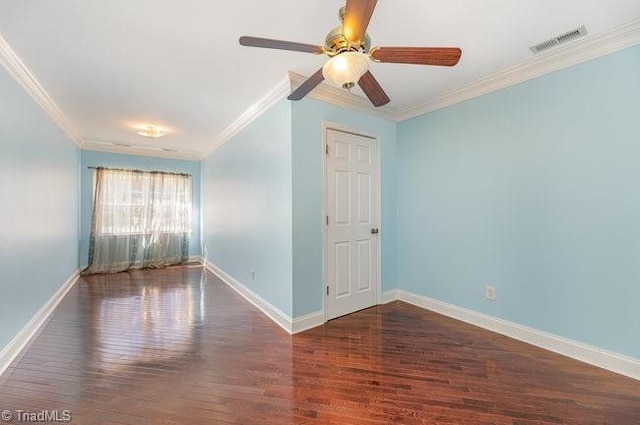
(176, 346)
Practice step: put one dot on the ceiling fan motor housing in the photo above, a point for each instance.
(336, 43)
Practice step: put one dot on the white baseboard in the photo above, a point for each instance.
(308, 321)
(283, 320)
(195, 259)
(389, 296)
(11, 351)
(274, 313)
(605, 359)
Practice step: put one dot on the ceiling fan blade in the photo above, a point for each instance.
(373, 90)
(439, 56)
(304, 88)
(280, 45)
(357, 14)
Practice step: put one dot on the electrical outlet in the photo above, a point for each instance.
(254, 275)
(490, 292)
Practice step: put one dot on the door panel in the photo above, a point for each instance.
(342, 194)
(352, 209)
(364, 267)
(343, 266)
(364, 198)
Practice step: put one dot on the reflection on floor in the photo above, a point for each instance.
(158, 324)
(176, 346)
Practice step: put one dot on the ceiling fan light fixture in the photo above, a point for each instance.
(344, 70)
(152, 132)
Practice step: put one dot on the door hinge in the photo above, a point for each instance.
(327, 220)
(326, 149)
(327, 290)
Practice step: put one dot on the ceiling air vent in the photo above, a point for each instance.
(561, 39)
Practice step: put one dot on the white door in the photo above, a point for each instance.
(352, 223)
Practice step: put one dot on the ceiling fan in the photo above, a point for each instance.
(349, 49)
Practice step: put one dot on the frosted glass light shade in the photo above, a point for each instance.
(152, 131)
(344, 70)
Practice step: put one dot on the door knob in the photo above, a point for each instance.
(374, 230)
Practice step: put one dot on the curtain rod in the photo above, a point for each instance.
(140, 171)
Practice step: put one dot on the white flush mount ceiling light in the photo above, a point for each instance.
(152, 132)
(344, 70)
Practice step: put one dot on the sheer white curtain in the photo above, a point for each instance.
(140, 219)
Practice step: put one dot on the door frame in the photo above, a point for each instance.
(328, 125)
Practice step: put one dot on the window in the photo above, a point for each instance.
(140, 219)
(137, 202)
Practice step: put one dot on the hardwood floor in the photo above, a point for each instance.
(176, 346)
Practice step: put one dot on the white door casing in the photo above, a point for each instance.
(352, 209)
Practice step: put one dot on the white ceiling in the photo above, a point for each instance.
(112, 65)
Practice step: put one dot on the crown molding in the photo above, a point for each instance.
(19, 71)
(323, 92)
(561, 57)
(344, 99)
(121, 148)
(262, 105)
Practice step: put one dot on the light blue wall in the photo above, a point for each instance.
(535, 190)
(308, 173)
(101, 159)
(247, 206)
(39, 215)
